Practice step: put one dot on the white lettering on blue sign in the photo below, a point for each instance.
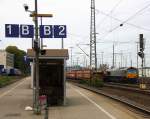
(25, 30)
(47, 30)
(11, 30)
(62, 29)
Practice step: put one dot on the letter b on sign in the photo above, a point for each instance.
(46, 31)
(26, 31)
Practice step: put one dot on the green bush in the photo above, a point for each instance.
(4, 80)
(96, 81)
(83, 82)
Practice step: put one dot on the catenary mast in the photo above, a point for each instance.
(93, 55)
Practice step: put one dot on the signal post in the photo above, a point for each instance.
(141, 55)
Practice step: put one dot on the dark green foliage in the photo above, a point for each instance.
(19, 59)
(83, 82)
(4, 80)
(95, 81)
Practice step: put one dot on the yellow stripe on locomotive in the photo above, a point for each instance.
(132, 75)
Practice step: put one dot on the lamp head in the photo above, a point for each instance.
(26, 7)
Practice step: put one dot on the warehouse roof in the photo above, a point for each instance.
(50, 53)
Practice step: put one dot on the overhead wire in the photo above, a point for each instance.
(139, 11)
(111, 11)
(131, 17)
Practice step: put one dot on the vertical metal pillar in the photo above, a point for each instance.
(102, 58)
(62, 43)
(41, 38)
(71, 57)
(113, 64)
(93, 55)
(121, 64)
(142, 67)
(37, 108)
(137, 60)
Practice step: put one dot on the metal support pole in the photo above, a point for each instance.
(77, 60)
(121, 59)
(62, 43)
(34, 78)
(41, 38)
(37, 108)
(71, 56)
(142, 67)
(113, 56)
(102, 58)
(137, 54)
(93, 54)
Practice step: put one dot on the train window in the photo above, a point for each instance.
(132, 71)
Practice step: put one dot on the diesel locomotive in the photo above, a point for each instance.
(126, 75)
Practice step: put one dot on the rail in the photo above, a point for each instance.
(117, 98)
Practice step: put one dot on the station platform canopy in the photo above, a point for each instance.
(49, 54)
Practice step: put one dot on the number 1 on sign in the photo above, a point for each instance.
(9, 28)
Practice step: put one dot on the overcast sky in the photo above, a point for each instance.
(135, 14)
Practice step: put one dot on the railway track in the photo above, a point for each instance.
(123, 84)
(133, 88)
(123, 100)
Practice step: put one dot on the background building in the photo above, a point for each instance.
(6, 59)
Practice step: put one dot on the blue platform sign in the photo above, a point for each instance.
(26, 31)
(60, 31)
(46, 31)
(11, 30)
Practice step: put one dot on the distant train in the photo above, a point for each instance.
(84, 74)
(126, 75)
(10, 72)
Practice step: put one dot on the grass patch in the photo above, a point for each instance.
(5, 80)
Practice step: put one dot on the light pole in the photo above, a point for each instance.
(71, 56)
(84, 59)
(36, 42)
(77, 61)
(102, 58)
(36, 48)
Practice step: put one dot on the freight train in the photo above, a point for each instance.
(125, 75)
(84, 74)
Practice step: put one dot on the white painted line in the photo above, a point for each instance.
(94, 103)
(5, 93)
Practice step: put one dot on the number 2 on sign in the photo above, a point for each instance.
(62, 30)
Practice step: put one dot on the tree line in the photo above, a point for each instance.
(19, 61)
